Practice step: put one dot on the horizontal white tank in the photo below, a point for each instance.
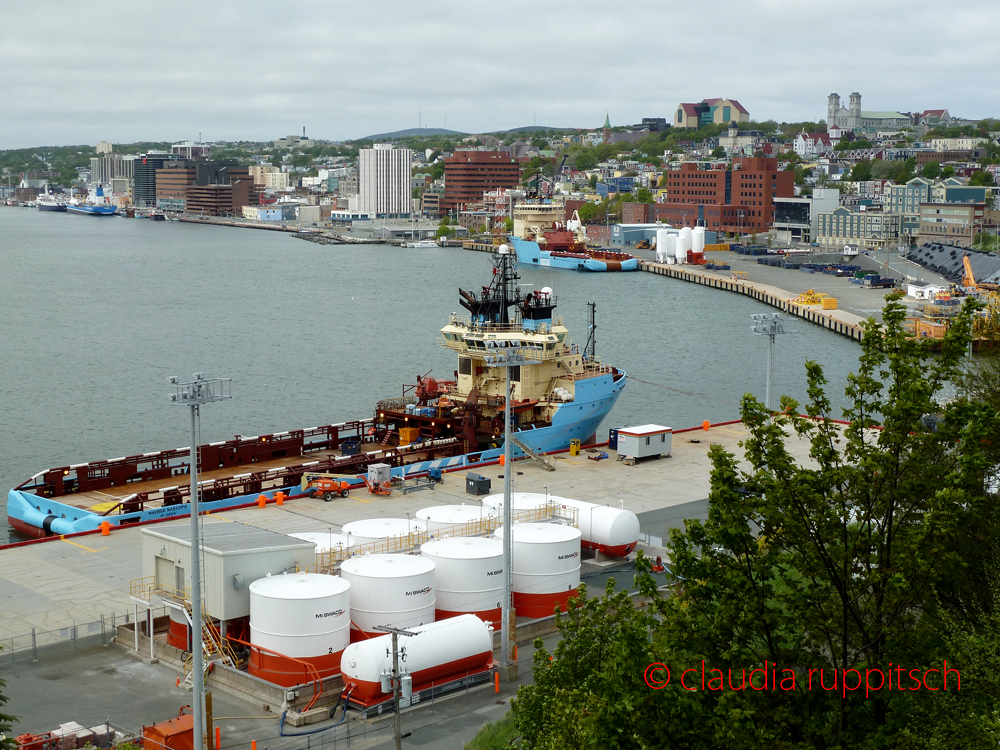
(395, 590)
(300, 614)
(373, 529)
(468, 576)
(443, 516)
(324, 541)
(698, 239)
(613, 531)
(545, 566)
(440, 652)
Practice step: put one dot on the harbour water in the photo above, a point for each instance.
(98, 313)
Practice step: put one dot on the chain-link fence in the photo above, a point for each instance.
(39, 644)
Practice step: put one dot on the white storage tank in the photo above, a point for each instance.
(545, 569)
(324, 541)
(698, 240)
(445, 516)
(395, 590)
(440, 652)
(468, 576)
(305, 616)
(518, 501)
(683, 244)
(662, 246)
(371, 530)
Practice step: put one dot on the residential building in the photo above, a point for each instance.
(276, 180)
(103, 147)
(191, 150)
(808, 145)
(966, 143)
(738, 200)
(736, 140)
(709, 112)
(954, 223)
(878, 230)
(257, 172)
(384, 180)
(103, 169)
(469, 174)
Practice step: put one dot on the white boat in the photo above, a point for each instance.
(423, 243)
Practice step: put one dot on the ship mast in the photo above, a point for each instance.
(590, 348)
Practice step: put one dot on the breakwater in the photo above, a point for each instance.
(839, 321)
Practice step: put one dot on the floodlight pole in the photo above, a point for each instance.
(769, 325)
(199, 391)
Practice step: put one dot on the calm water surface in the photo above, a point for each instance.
(98, 312)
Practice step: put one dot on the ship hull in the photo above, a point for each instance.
(51, 207)
(530, 254)
(575, 420)
(92, 210)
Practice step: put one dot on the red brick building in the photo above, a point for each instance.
(637, 213)
(737, 200)
(468, 174)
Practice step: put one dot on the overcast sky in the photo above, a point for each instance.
(80, 72)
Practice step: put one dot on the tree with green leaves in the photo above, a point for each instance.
(981, 179)
(862, 171)
(643, 195)
(875, 557)
(718, 152)
(931, 170)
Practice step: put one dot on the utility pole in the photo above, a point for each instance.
(396, 678)
(769, 325)
(194, 393)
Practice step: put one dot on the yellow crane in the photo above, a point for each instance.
(969, 282)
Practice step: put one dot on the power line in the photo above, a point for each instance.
(683, 393)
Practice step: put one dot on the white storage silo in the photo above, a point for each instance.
(661, 244)
(439, 652)
(445, 516)
(670, 252)
(324, 541)
(373, 529)
(468, 576)
(545, 568)
(683, 244)
(698, 240)
(395, 590)
(305, 616)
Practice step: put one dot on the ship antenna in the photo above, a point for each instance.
(591, 345)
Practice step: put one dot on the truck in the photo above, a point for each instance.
(325, 485)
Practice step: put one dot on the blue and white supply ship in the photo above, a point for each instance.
(95, 205)
(543, 240)
(560, 393)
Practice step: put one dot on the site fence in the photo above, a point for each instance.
(39, 644)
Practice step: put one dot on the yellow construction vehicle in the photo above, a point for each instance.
(809, 297)
(969, 282)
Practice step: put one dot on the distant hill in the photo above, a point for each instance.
(534, 129)
(411, 132)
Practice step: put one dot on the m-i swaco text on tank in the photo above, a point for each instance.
(560, 393)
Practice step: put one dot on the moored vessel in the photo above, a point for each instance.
(562, 392)
(543, 239)
(96, 204)
(50, 202)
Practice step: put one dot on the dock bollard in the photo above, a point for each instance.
(496, 682)
(705, 425)
(253, 744)
(280, 498)
(261, 502)
(105, 528)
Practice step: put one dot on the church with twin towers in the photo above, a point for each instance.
(861, 122)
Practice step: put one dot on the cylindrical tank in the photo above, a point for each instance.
(518, 501)
(671, 249)
(323, 540)
(683, 245)
(305, 616)
(439, 652)
(545, 568)
(698, 240)
(395, 590)
(373, 529)
(468, 576)
(443, 516)
(177, 632)
(662, 246)
(613, 531)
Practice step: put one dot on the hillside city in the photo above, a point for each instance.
(877, 179)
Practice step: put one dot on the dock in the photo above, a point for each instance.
(839, 321)
(65, 588)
